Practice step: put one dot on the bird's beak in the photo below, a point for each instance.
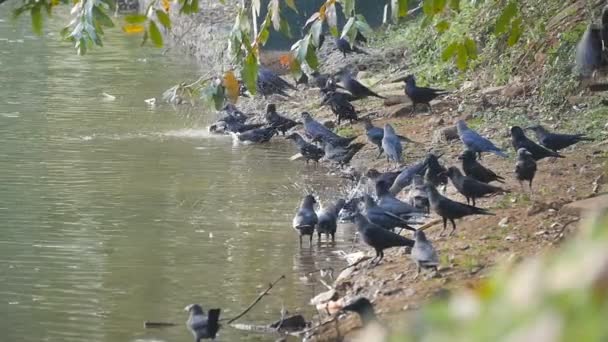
(187, 308)
(460, 157)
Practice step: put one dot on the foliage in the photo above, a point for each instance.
(559, 296)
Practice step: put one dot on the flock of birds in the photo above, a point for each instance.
(376, 216)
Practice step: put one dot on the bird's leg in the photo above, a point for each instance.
(300, 240)
(319, 236)
(333, 238)
(381, 257)
(310, 243)
(418, 271)
(430, 108)
(413, 111)
(473, 201)
(379, 154)
(453, 227)
(523, 189)
(445, 223)
(468, 200)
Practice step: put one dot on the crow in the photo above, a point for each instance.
(382, 218)
(420, 95)
(339, 105)
(475, 142)
(319, 80)
(435, 173)
(318, 132)
(424, 253)
(257, 135)
(474, 169)
(450, 210)
(328, 220)
(375, 134)
(407, 174)
(339, 154)
(269, 83)
(344, 46)
(388, 202)
(525, 169)
(358, 90)
(589, 51)
(470, 187)
(417, 196)
(306, 219)
(364, 308)
(519, 140)
(200, 325)
(379, 239)
(392, 145)
(376, 176)
(556, 141)
(307, 150)
(278, 122)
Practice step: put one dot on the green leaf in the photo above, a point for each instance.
(438, 6)
(450, 51)
(135, 18)
(36, 20)
(348, 7)
(348, 27)
(516, 31)
(291, 4)
(461, 57)
(502, 23)
(155, 36)
(427, 8)
(163, 18)
(250, 72)
(273, 8)
(402, 8)
(311, 59)
(194, 6)
(218, 94)
(144, 39)
(285, 29)
(455, 5)
(442, 26)
(264, 34)
(332, 19)
(471, 47)
(316, 31)
(334, 31)
(303, 49)
(101, 17)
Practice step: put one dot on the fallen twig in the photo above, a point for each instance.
(270, 286)
(429, 224)
(148, 324)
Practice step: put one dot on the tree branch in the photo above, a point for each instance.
(270, 286)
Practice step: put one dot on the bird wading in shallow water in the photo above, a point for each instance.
(201, 325)
(306, 219)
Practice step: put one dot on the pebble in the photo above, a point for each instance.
(509, 238)
(554, 225)
(504, 223)
(464, 248)
(540, 232)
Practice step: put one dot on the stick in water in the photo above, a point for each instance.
(270, 286)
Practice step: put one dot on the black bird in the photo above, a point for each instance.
(388, 202)
(375, 134)
(225, 127)
(318, 132)
(420, 95)
(407, 174)
(474, 169)
(319, 80)
(306, 219)
(525, 169)
(424, 253)
(303, 79)
(308, 150)
(200, 325)
(339, 154)
(388, 177)
(360, 38)
(277, 121)
(328, 220)
(257, 135)
(556, 141)
(269, 83)
(383, 218)
(342, 109)
(450, 210)
(344, 46)
(435, 173)
(519, 140)
(589, 51)
(364, 308)
(358, 90)
(379, 239)
(470, 187)
(475, 142)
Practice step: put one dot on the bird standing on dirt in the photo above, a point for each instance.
(417, 196)
(383, 218)
(423, 253)
(436, 173)
(344, 46)
(519, 140)
(269, 83)
(339, 105)
(392, 145)
(474, 169)
(525, 169)
(407, 174)
(340, 154)
(318, 132)
(277, 121)
(306, 219)
(470, 187)
(307, 150)
(450, 210)
(379, 239)
(556, 141)
(376, 176)
(475, 142)
(421, 95)
(200, 325)
(358, 90)
(390, 203)
(328, 220)
(319, 80)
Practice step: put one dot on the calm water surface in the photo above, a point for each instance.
(113, 213)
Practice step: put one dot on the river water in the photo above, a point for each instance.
(113, 212)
